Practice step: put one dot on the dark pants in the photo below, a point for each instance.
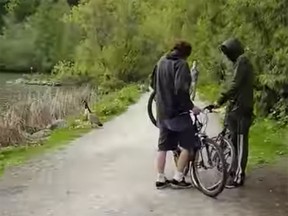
(239, 126)
(177, 131)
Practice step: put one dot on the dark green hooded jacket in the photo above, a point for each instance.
(240, 92)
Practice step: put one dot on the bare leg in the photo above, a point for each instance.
(183, 160)
(161, 162)
(181, 164)
(178, 181)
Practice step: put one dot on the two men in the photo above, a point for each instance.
(171, 81)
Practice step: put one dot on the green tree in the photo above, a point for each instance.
(117, 42)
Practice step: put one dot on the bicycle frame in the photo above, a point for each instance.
(225, 132)
(201, 126)
(201, 133)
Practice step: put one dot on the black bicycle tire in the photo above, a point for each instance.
(150, 109)
(231, 146)
(220, 187)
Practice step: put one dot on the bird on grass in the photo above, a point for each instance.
(92, 118)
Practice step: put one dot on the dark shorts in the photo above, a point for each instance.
(169, 140)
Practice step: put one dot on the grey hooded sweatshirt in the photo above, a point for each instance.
(171, 80)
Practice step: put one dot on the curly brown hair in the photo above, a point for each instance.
(184, 48)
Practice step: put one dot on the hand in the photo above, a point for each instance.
(196, 110)
(210, 107)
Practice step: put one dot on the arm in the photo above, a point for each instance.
(239, 75)
(182, 84)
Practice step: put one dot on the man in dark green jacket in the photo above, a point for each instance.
(239, 113)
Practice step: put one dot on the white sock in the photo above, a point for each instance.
(178, 176)
(161, 177)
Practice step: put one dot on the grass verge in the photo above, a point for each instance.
(268, 141)
(108, 107)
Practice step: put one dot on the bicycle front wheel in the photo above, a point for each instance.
(208, 169)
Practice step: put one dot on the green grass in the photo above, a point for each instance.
(268, 141)
(17, 155)
(109, 106)
(117, 102)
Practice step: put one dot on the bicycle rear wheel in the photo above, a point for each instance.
(209, 157)
(228, 150)
(151, 109)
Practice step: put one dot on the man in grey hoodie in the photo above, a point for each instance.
(171, 80)
(239, 100)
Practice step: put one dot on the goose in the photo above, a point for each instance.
(93, 119)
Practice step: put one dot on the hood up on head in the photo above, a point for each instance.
(232, 48)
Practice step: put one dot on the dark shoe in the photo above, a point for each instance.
(162, 185)
(180, 185)
(232, 184)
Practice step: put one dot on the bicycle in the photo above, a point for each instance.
(207, 155)
(215, 155)
(223, 138)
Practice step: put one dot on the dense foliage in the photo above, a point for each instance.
(35, 35)
(116, 42)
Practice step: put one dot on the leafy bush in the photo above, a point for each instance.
(262, 27)
(117, 102)
(35, 34)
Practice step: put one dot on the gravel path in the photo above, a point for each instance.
(111, 172)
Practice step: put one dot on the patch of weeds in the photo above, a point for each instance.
(109, 106)
(117, 102)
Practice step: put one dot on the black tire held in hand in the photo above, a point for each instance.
(150, 108)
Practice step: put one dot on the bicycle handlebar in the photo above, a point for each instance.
(210, 108)
(204, 121)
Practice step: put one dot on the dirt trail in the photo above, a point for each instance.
(111, 172)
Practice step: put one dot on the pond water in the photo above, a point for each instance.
(11, 92)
